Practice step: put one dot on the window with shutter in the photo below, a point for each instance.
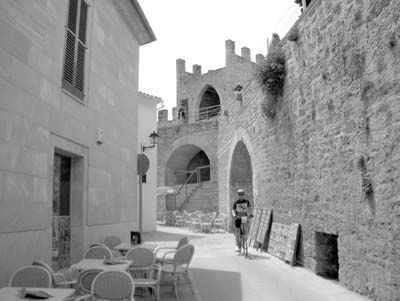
(74, 73)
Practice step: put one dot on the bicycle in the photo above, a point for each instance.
(244, 234)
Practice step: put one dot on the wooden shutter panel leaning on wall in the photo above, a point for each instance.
(74, 73)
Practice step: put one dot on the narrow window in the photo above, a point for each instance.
(144, 178)
(73, 79)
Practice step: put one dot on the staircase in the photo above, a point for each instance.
(181, 199)
(203, 197)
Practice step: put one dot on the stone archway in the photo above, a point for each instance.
(186, 158)
(210, 104)
(241, 171)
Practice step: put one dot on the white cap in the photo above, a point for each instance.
(240, 191)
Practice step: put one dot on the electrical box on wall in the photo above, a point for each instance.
(100, 135)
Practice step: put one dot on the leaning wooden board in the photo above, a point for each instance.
(254, 225)
(265, 222)
(291, 245)
(283, 241)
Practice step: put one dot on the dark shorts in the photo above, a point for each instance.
(238, 222)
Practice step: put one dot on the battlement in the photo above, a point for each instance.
(231, 57)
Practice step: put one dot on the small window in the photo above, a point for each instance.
(144, 178)
(74, 73)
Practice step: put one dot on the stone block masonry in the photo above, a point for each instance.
(340, 104)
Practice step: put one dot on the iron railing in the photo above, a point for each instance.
(208, 112)
(192, 174)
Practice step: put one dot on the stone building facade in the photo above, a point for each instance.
(190, 140)
(330, 158)
(68, 127)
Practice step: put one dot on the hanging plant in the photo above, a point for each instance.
(366, 184)
(271, 76)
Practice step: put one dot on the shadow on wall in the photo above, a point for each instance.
(165, 236)
(300, 249)
(218, 285)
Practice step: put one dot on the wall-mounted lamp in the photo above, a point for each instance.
(153, 141)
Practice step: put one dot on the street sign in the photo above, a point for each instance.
(143, 164)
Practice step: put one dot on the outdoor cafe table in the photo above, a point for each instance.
(125, 247)
(87, 264)
(13, 293)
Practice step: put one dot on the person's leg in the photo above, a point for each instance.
(237, 237)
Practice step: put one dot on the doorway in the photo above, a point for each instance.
(61, 224)
(326, 255)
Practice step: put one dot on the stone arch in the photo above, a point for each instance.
(240, 172)
(208, 104)
(185, 158)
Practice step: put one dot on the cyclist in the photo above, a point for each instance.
(241, 207)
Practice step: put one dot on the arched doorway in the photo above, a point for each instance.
(183, 161)
(241, 173)
(210, 105)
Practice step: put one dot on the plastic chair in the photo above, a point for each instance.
(180, 265)
(31, 276)
(98, 252)
(220, 222)
(167, 253)
(205, 223)
(179, 219)
(194, 222)
(57, 279)
(111, 285)
(169, 218)
(186, 217)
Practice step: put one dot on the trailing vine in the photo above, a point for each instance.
(271, 75)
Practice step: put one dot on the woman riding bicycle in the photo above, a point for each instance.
(241, 207)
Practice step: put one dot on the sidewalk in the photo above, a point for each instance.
(219, 274)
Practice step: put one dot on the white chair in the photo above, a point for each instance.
(111, 285)
(180, 265)
(85, 280)
(58, 280)
(206, 223)
(143, 269)
(98, 252)
(143, 260)
(220, 222)
(111, 241)
(179, 218)
(166, 254)
(194, 221)
(31, 276)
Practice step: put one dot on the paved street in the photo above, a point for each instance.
(219, 274)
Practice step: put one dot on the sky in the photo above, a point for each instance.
(196, 31)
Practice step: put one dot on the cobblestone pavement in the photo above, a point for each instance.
(219, 274)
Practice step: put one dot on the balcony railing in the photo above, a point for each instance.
(208, 112)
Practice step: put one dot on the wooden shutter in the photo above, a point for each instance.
(75, 48)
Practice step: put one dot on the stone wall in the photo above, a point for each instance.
(178, 144)
(340, 103)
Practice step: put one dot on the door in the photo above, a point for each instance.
(61, 237)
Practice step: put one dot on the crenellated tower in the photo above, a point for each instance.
(189, 141)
